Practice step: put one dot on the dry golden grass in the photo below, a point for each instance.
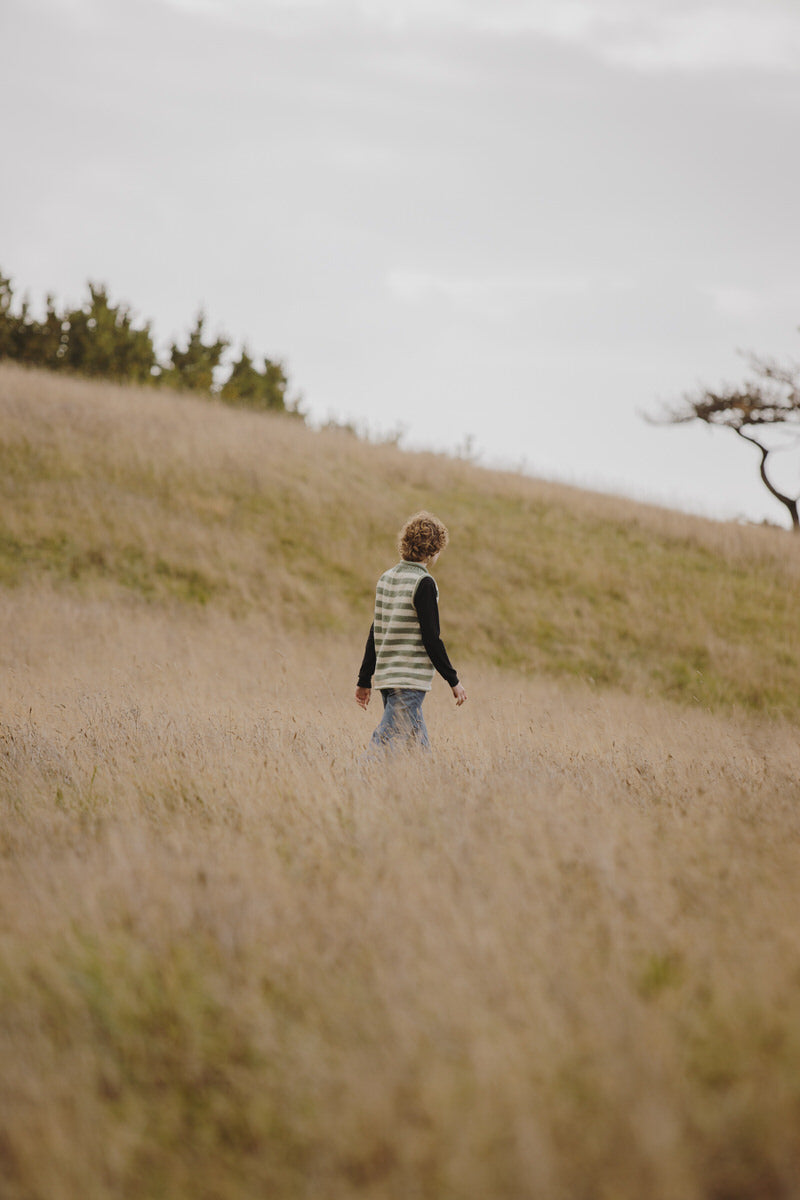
(173, 499)
(557, 959)
(560, 958)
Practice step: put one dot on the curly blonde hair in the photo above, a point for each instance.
(422, 536)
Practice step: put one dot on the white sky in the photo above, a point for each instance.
(522, 222)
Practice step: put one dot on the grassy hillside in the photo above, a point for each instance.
(557, 959)
(174, 499)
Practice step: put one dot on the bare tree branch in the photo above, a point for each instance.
(788, 501)
(771, 397)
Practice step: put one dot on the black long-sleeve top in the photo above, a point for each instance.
(427, 607)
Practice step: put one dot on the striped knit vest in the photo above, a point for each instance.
(401, 658)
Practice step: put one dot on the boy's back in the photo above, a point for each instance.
(404, 647)
(401, 658)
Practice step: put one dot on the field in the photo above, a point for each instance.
(559, 958)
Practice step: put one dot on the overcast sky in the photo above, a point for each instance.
(520, 222)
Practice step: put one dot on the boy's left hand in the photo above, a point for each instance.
(362, 696)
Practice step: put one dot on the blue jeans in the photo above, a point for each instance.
(402, 719)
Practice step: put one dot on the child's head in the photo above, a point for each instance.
(422, 536)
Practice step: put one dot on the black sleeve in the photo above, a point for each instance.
(428, 612)
(367, 669)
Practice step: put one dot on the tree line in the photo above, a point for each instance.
(102, 340)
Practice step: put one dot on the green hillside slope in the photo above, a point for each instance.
(173, 500)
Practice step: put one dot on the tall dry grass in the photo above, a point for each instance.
(558, 958)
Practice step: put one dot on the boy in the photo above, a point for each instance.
(404, 647)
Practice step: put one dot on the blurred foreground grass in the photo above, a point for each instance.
(560, 958)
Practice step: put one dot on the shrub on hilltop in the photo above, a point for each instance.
(102, 340)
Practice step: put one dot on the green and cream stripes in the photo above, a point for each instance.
(401, 658)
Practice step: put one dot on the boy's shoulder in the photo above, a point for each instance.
(406, 578)
(405, 568)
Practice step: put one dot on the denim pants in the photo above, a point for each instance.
(402, 721)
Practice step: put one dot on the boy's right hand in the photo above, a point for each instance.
(362, 696)
(459, 694)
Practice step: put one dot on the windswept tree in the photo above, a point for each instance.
(7, 318)
(26, 340)
(249, 387)
(43, 343)
(193, 368)
(767, 401)
(98, 339)
(103, 342)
